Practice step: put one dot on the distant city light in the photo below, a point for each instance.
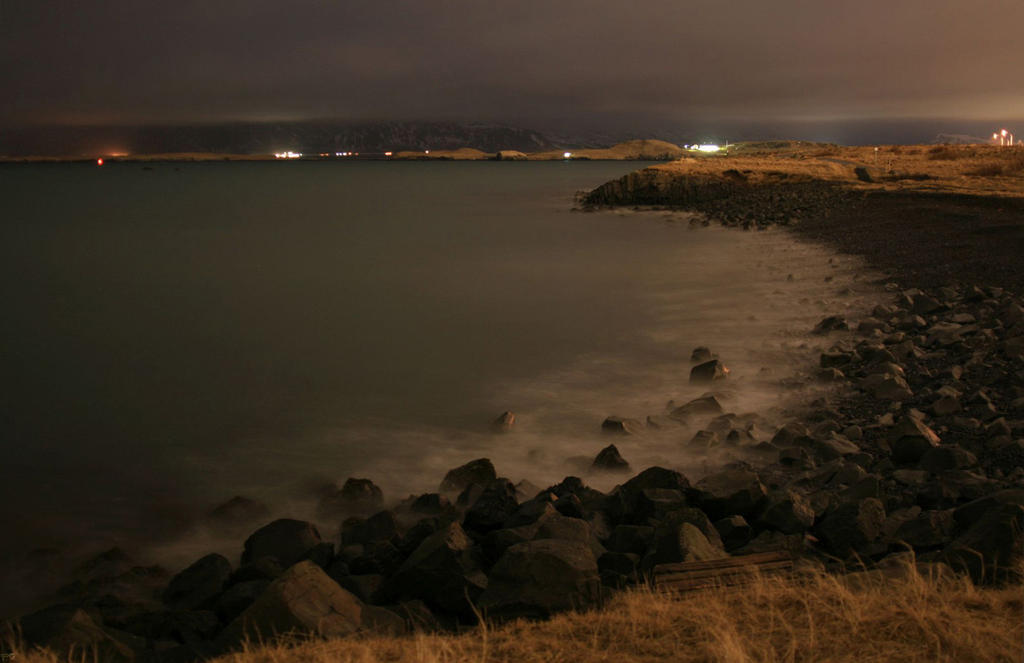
(287, 155)
(387, 154)
(709, 147)
(426, 151)
(1004, 137)
(567, 155)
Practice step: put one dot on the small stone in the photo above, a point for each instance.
(830, 324)
(609, 459)
(504, 422)
(621, 426)
(708, 372)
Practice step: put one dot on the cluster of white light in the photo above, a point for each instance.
(346, 154)
(1005, 138)
(287, 155)
(567, 155)
(706, 147)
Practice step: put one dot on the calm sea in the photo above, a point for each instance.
(176, 334)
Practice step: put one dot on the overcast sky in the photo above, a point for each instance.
(522, 61)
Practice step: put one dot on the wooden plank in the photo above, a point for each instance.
(727, 562)
(727, 571)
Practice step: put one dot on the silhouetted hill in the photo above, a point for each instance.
(266, 138)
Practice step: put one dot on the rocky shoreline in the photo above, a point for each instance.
(916, 447)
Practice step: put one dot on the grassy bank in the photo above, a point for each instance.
(818, 617)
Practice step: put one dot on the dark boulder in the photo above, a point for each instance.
(730, 491)
(830, 324)
(948, 457)
(610, 460)
(304, 600)
(381, 526)
(443, 571)
(992, 548)
(496, 504)
(680, 542)
(504, 422)
(622, 426)
(539, 578)
(706, 404)
(286, 540)
(237, 598)
(480, 471)
(354, 497)
(910, 439)
(786, 511)
(851, 526)
(708, 372)
(630, 539)
(431, 504)
(926, 530)
(700, 355)
(734, 531)
(198, 585)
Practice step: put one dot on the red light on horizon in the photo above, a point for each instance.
(99, 162)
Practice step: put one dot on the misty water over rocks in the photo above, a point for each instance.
(183, 336)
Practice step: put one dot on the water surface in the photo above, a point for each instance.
(176, 335)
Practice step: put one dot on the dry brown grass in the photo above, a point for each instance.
(970, 169)
(911, 618)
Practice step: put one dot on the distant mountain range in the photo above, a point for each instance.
(267, 138)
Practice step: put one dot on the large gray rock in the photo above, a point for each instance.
(729, 492)
(557, 526)
(680, 542)
(992, 548)
(198, 586)
(910, 439)
(787, 512)
(926, 530)
(304, 600)
(625, 502)
(442, 571)
(381, 526)
(286, 540)
(495, 505)
(479, 471)
(851, 526)
(539, 578)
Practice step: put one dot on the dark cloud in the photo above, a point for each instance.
(525, 61)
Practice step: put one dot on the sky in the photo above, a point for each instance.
(522, 62)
